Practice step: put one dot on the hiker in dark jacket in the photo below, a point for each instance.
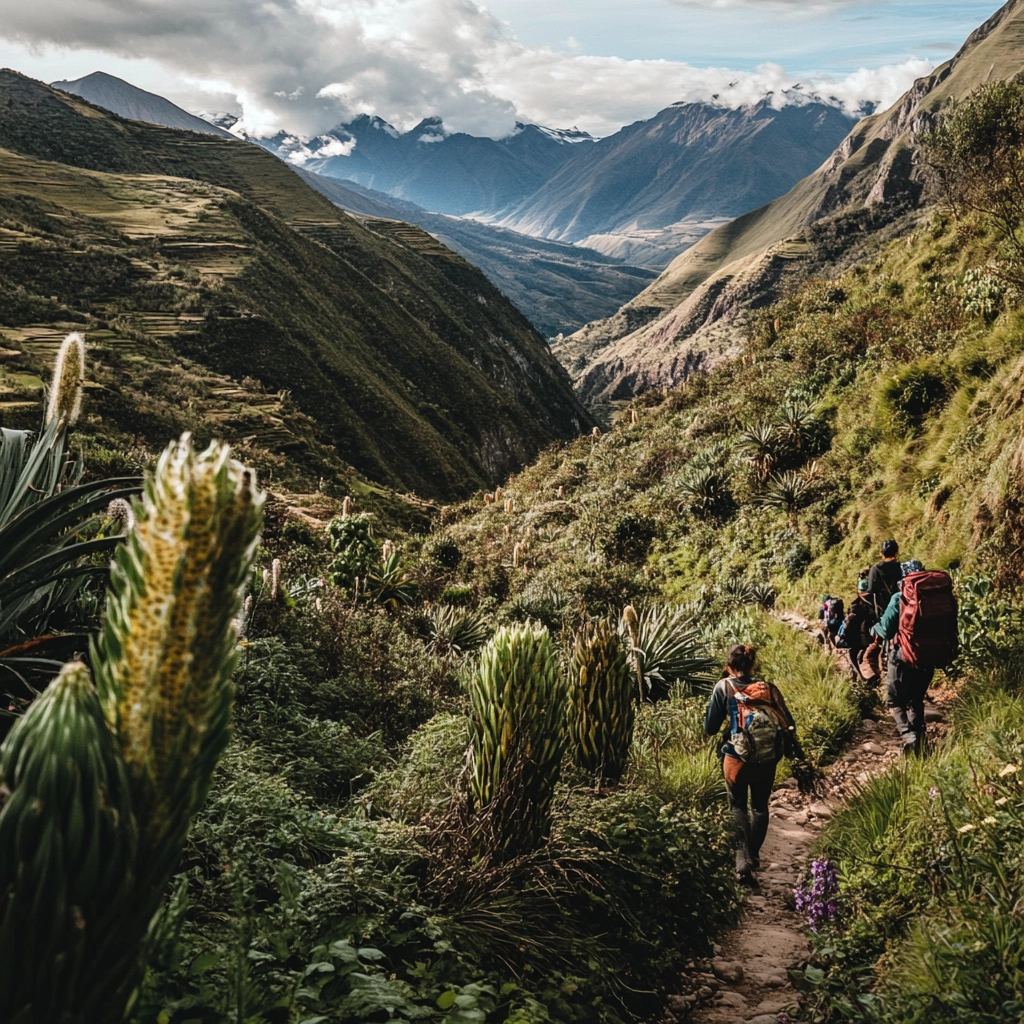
(905, 686)
(883, 582)
(857, 626)
(748, 778)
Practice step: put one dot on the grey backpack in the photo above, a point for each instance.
(761, 729)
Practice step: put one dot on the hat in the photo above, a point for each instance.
(890, 549)
(912, 566)
(862, 587)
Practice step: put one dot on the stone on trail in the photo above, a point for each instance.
(821, 810)
(869, 724)
(933, 714)
(872, 748)
(731, 999)
(727, 971)
(763, 1018)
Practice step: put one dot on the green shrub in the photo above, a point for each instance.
(355, 550)
(362, 669)
(631, 538)
(421, 787)
(912, 393)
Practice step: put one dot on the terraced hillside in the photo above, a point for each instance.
(402, 356)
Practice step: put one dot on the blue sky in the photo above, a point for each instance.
(306, 65)
(834, 37)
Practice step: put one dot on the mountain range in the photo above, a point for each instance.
(641, 195)
(687, 166)
(195, 256)
(559, 287)
(695, 313)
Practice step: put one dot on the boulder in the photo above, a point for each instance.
(727, 971)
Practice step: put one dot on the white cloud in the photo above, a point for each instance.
(304, 65)
(300, 151)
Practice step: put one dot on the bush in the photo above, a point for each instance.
(796, 559)
(363, 669)
(914, 392)
(631, 538)
(421, 786)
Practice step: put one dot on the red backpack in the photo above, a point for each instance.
(928, 635)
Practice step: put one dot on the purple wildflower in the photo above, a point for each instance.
(817, 901)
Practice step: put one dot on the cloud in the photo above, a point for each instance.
(301, 66)
(300, 151)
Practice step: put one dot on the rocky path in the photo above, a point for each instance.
(747, 980)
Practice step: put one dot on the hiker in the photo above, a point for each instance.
(856, 631)
(883, 582)
(830, 614)
(760, 732)
(922, 618)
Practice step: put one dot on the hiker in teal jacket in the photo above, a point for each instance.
(905, 685)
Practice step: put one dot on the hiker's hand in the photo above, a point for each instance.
(808, 776)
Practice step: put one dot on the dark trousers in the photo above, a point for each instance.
(855, 655)
(749, 787)
(905, 688)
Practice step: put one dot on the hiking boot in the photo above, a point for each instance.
(746, 879)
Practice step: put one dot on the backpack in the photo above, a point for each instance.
(842, 640)
(759, 729)
(833, 609)
(928, 636)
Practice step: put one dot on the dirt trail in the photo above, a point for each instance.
(747, 980)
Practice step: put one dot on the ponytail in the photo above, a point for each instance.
(741, 659)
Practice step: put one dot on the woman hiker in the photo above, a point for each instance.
(760, 732)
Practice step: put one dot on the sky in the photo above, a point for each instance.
(305, 65)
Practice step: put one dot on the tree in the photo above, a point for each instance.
(978, 150)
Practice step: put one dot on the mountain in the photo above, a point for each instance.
(641, 195)
(558, 287)
(184, 249)
(119, 97)
(689, 165)
(693, 315)
(444, 172)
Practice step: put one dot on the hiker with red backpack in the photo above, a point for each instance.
(921, 618)
(760, 732)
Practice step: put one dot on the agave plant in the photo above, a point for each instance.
(788, 491)
(760, 442)
(707, 491)
(601, 705)
(796, 421)
(101, 783)
(389, 585)
(451, 632)
(667, 650)
(517, 738)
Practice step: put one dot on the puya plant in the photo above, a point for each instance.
(517, 739)
(100, 782)
(51, 525)
(601, 702)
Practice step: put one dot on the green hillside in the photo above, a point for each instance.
(217, 253)
(888, 402)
